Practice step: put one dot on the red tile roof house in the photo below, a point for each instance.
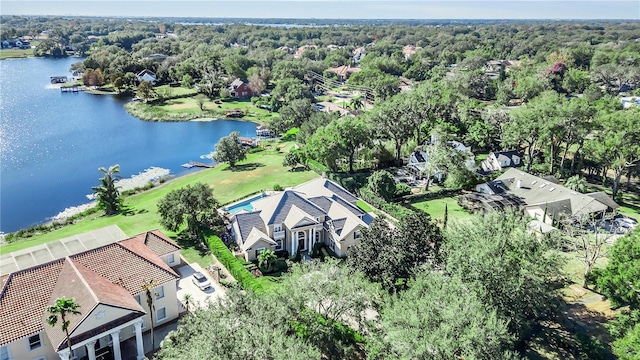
(239, 89)
(107, 282)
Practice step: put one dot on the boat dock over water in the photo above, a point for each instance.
(74, 89)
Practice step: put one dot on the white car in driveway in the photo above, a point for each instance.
(201, 281)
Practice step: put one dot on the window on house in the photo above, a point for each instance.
(161, 314)
(277, 228)
(278, 244)
(35, 342)
(172, 258)
(258, 251)
(356, 235)
(159, 292)
(4, 353)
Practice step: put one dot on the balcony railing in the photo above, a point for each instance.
(278, 234)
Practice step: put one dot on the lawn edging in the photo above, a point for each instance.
(233, 265)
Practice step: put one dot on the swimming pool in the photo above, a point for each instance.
(244, 204)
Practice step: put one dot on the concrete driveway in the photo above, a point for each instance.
(199, 297)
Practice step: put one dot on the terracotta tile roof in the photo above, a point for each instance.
(90, 289)
(128, 263)
(111, 274)
(24, 299)
(160, 243)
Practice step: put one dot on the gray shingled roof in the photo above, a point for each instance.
(354, 209)
(338, 225)
(290, 198)
(247, 221)
(322, 202)
(340, 191)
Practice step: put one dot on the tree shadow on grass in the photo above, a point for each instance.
(186, 241)
(129, 211)
(244, 167)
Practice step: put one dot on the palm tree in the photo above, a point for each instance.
(188, 300)
(266, 259)
(147, 289)
(356, 103)
(63, 307)
(576, 183)
(108, 194)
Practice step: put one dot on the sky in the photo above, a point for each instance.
(332, 9)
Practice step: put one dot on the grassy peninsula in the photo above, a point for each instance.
(183, 104)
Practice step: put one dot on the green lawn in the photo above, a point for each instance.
(363, 206)
(260, 171)
(188, 108)
(435, 208)
(18, 53)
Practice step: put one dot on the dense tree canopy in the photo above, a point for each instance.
(193, 204)
(229, 149)
(507, 267)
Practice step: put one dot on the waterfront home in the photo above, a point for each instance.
(318, 211)
(239, 89)
(146, 75)
(107, 281)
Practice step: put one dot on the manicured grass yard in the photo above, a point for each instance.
(435, 208)
(260, 171)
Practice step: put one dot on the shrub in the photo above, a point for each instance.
(402, 190)
(234, 265)
(277, 187)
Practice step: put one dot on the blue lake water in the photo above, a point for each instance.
(52, 143)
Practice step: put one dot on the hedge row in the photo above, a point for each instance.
(395, 210)
(235, 266)
(317, 167)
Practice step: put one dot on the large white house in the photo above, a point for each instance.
(297, 218)
(107, 281)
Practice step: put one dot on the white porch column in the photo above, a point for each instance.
(64, 354)
(91, 350)
(295, 243)
(115, 339)
(139, 343)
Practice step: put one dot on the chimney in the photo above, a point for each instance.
(519, 184)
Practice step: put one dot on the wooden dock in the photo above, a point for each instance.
(74, 89)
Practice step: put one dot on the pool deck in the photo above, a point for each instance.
(244, 203)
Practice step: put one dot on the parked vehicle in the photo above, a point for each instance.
(201, 281)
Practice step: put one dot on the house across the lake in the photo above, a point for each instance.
(146, 75)
(104, 272)
(319, 211)
(240, 90)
